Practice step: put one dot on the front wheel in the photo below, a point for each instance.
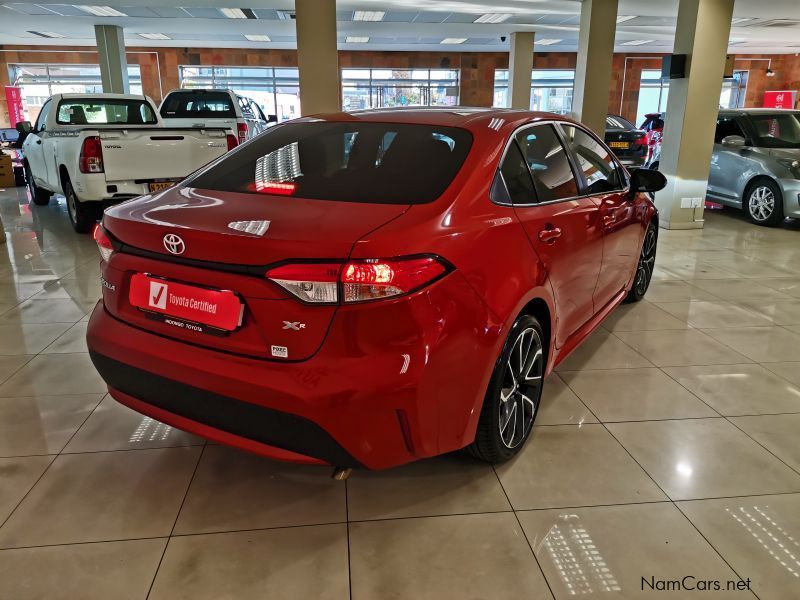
(82, 215)
(515, 389)
(763, 203)
(39, 196)
(644, 269)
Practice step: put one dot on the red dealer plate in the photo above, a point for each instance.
(217, 308)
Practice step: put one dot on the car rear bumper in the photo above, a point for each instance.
(95, 188)
(377, 394)
(790, 189)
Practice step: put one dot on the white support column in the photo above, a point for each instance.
(593, 65)
(317, 56)
(113, 66)
(520, 65)
(702, 34)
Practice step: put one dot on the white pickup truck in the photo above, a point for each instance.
(98, 149)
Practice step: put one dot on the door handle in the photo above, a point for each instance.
(549, 236)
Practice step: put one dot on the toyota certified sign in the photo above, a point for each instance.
(174, 244)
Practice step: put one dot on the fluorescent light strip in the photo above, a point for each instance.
(623, 18)
(354, 39)
(546, 42)
(101, 11)
(155, 36)
(233, 13)
(738, 20)
(636, 42)
(48, 34)
(453, 41)
(493, 18)
(257, 37)
(369, 15)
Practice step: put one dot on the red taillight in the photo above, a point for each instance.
(641, 140)
(91, 157)
(280, 188)
(357, 280)
(241, 128)
(232, 141)
(103, 242)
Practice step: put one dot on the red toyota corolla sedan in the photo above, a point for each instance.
(368, 289)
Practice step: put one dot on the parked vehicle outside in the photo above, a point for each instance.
(755, 164)
(372, 288)
(202, 108)
(99, 149)
(628, 143)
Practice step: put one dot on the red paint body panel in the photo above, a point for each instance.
(361, 372)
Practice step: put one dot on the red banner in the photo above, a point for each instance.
(780, 99)
(14, 102)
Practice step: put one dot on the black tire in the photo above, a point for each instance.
(512, 392)
(39, 196)
(644, 268)
(763, 203)
(82, 215)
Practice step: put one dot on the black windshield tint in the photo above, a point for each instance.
(191, 104)
(385, 163)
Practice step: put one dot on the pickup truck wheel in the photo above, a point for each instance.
(39, 196)
(82, 215)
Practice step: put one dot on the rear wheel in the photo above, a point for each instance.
(763, 203)
(644, 269)
(82, 215)
(512, 400)
(39, 196)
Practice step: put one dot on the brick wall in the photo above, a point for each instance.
(159, 68)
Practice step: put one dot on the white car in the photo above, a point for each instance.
(241, 116)
(102, 148)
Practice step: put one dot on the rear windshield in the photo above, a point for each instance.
(105, 111)
(190, 104)
(616, 122)
(385, 163)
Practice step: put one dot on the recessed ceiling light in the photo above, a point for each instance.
(738, 20)
(101, 11)
(238, 13)
(546, 42)
(493, 18)
(257, 37)
(623, 18)
(286, 15)
(48, 34)
(369, 15)
(155, 36)
(636, 42)
(453, 41)
(355, 39)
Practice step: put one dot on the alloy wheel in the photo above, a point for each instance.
(761, 203)
(647, 260)
(519, 395)
(71, 207)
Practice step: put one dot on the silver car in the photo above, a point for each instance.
(756, 163)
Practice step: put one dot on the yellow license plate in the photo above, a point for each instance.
(161, 185)
(619, 144)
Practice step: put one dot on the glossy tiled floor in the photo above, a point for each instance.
(667, 446)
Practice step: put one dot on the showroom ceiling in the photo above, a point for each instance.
(457, 25)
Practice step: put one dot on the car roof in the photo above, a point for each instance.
(467, 117)
(101, 95)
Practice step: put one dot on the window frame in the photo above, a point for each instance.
(570, 157)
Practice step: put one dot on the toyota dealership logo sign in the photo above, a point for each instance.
(174, 244)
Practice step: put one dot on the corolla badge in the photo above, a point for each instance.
(174, 244)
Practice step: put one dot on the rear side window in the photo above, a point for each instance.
(105, 111)
(384, 163)
(726, 126)
(189, 104)
(517, 178)
(595, 160)
(548, 163)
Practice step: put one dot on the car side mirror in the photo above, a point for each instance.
(647, 180)
(272, 118)
(24, 127)
(733, 141)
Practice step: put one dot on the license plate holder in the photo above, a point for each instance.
(218, 309)
(159, 186)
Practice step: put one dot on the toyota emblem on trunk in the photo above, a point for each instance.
(174, 244)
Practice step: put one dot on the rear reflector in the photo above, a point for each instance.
(357, 280)
(103, 242)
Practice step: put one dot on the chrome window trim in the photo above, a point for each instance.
(559, 133)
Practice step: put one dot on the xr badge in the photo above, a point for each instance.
(294, 325)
